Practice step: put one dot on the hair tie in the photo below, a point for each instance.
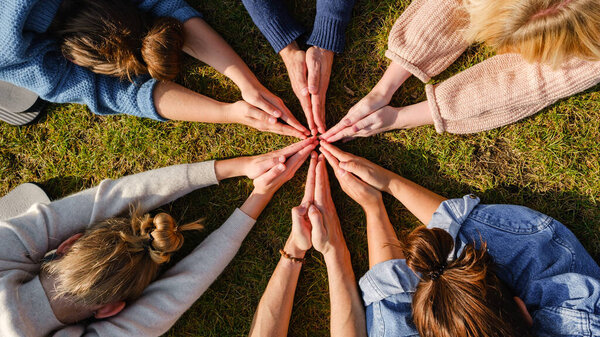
(435, 274)
(148, 243)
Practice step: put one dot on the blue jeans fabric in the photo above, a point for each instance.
(537, 257)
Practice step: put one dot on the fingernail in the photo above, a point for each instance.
(313, 155)
(272, 120)
(304, 92)
(281, 167)
(277, 113)
(282, 159)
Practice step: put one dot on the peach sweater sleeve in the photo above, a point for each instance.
(504, 89)
(427, 37)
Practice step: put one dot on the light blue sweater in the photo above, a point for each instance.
(29, 59)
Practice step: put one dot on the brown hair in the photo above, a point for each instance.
(114, 37)
(547, 31)
(116, 259)
(462, 297)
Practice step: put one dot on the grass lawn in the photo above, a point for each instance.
(550, 162)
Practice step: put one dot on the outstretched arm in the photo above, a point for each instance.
(273, 314)
(203, 43)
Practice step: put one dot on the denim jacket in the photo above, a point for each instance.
(537, 257)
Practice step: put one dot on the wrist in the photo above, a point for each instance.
(229, 168)
(291, 248)
(289, 49)
(374, 205)
(256, 203)
(337, 255)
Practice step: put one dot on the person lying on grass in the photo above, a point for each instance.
(120, 56)
(473, 270)
(309, 70)
(314, 223)
(547, 50)
(98, 279)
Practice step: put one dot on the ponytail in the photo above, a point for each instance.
(460, 297)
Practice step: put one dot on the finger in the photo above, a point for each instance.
(285, 130)
(346, 132)
(309, 189)
(298, 214)
(314, 73)
(307, 108)
(318, 108)
(287, 116)
(274, 172)
(292, 149)
(295, 161)
(362, 124)
(336, 152)
(318, 231)
(322, 188)
(335, 164)
(268, 107)
(355, 114)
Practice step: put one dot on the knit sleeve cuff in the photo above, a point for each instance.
(202, 174)
(281, 31)
(410, 67)
(328, 33)
(185, 13)
(438, 121)
(145, 98)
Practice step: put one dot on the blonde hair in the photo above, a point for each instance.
(546, 31)
(116, 259)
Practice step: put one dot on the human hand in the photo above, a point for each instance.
(299, 240)
(369, 172)
(254, 166)
(372, 102)
(364, 194)
(244, 113)
(260, 97)
(294, 59)
(326, 233)
(270, 181)
(382, 120)
(318, 62)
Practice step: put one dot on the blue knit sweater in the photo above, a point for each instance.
(31, 60)
(329, 29)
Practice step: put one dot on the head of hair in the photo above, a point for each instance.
(116, 259)
(462, 297)
(114, 37)
(546, 31)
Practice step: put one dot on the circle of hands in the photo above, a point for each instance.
(315, 222)
(309, 73)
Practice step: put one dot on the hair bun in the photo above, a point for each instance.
(161, 48)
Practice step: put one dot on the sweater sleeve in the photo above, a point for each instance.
(274, 21)
(329, 29)
(166, 299)
(427, 37)
(503, 90)
(177, 9)
(28, 237)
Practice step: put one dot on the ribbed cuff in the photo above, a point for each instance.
(280, 33)
(438, 121)
(41, 15)
(185, 13)
(328, 33)
(413, 69)
(145, 101)
(202, 174)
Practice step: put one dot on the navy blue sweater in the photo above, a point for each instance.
(276, 24)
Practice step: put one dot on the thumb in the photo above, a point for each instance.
(318, 231)
(314, 74)
(356, 168)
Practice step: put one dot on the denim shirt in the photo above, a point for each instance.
(537, 257)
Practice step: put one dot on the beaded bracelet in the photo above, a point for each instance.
(288, 256)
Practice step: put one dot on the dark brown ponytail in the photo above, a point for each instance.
(115, 38)
(462, 297)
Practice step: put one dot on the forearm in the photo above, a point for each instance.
(205, 44)
(273, 314)
(381, 237)
(347, 311)
(256, 203)
(172, 101)
(392, 79)
(420, 201)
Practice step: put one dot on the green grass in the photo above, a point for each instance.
(550, 162)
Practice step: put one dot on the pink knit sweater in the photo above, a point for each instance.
(503, 89)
